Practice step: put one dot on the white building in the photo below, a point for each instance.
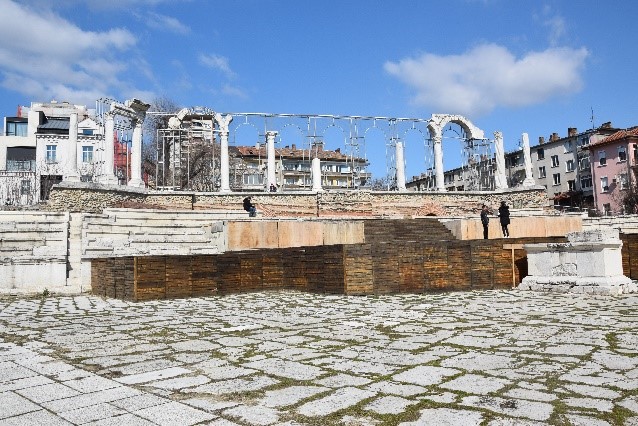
(51, 142)
(35, 149)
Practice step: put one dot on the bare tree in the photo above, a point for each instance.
(151, 124)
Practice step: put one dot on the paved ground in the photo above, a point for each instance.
(492, 358)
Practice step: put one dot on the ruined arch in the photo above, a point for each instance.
(436, 124)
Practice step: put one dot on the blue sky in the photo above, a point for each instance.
(515, 66)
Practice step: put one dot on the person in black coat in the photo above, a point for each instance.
(504, 217)
(485, 220)
(250, 207)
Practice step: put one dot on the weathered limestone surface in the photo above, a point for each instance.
(354, 204)
(590, 262)
(627, 224)
(33, 251)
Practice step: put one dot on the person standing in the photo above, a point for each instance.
(504, 217)
(485, 220)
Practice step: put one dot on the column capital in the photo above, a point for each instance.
(223, 122)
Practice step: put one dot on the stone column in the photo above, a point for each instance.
(400, 166)
(438, 163)
(224, 167)
(529, 180)
(270, 142)
(316, 175)
(500, 179)
(136, 156)
(108, 175)
(72, 152)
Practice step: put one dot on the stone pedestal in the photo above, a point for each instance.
(590, 262)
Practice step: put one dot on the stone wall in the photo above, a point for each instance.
(33, 251)
(95, 198)
(627, 224)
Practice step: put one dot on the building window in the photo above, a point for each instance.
(87, 132)
(604, 184)
(541, 172)
(585, 182)
(602, 158)
(568, 146)
(584, 141)
(554, 160)
(253, 179)
(569, 165)
(622, 153)
(25, 187)
(583, 162)
(622, 181)
(540, 152)
(16, 129)
(51, 153)
(556, 177)
(571, 184)
(87, 154)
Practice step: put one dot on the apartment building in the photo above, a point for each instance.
(613, 168)
(561, 164)
(293, 168)
(35, 149)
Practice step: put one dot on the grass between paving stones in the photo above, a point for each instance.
(389, 332)
(612, 340)
(355, 411)
(14, 338)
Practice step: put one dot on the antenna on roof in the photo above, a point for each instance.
(593, 125)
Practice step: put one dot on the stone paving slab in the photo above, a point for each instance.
(494, 358)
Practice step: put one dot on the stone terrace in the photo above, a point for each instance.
(491, 358)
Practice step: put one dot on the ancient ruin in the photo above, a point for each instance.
(589, 262)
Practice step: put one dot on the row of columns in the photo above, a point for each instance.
(223, 122)
(108, 168)
(137, 116)
(271, 177)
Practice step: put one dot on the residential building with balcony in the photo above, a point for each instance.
(613, 170)
(35, 150)
(560, 164)
(293, 168)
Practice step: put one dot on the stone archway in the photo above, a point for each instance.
(436, 124)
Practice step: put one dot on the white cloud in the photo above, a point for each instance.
(163, 22)
(557, 29)
(233, 91)
(489, 76)
(45, 56)
(216, 62)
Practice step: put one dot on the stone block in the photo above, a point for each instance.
(590, 262)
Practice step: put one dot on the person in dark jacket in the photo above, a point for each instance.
(485, 220)
(504, 217)
(250, 207)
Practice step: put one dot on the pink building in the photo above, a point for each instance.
(613, 166)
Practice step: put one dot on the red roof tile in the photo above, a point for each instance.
(619, 135)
